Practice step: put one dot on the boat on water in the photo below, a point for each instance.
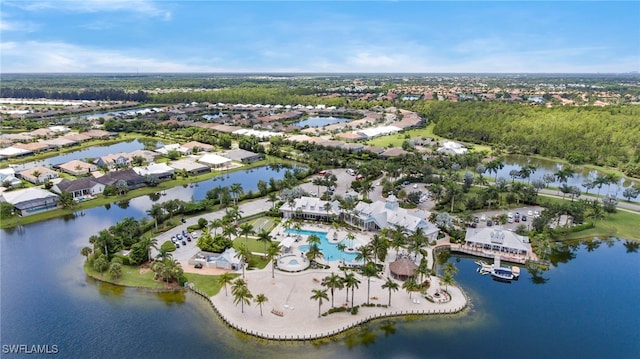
(498, 271)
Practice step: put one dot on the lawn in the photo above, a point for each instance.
(265, 223)
(397, 139)
(620, 224)
(130, 277)
(206, 283)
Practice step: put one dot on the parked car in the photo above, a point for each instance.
(510, 220)
(173, 239)
(524, 218)
(184, 243)
(194, 235)
(198, 265)
(474, 224)
(517, 219)
(530, 213)
(179, 236)
(183, 220)
(188, 237)
(476, 219)
(489, 223)
(177, 244)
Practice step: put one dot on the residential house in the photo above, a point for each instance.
(33, 146)
(80, 189)
(189, 165)
(158, 171)
(30, 200)
(393, 152)
(59, 142)
(117, 160)
(38, 174)
(244, 156)
(8, 178)
(195, 147)
(129, 176)
(214, 161)
(78, 168)
(13, 152)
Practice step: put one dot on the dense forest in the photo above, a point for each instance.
(608, 136)
(99, 95)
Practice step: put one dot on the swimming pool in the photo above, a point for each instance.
(329, 250)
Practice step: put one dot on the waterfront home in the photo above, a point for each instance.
(214, 161)
(497, 240)
(388, 214)
(98, 134)
(77, 167)
(393, 152)
(121, 159)
(159, 171)
(174, 147)
(80, 189)
(190, 166)
(30, 200)
(129, 176)
(148, 156)
(78, 137)
(243, 156)
(312, 208)
(38, 174)
(11, 152)
(8, 178)
(35, 147)
(59, 142)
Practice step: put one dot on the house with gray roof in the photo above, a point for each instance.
(244, 156)
(81, 189)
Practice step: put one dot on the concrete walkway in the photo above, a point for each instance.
(289, 294)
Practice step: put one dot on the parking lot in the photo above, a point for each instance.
(528, 211)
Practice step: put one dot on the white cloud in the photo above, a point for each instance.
(146, 7)
(7, 24)
(35, 56)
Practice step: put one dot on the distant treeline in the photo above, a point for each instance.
(87, 94)
(605, 136)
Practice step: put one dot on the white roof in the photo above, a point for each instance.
(27, 194)
(213, 159)
(153, 169)
(380, 130)
(256, 133)
(13, 151)
(287, 241)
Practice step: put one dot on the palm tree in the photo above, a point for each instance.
(450, 268)
(260, 299)
(314, 239)
(314, 252)
(237, 190)
(365, 253)
(332, 282)
(36, 174)
(272, 254)
(115, 270)
(224, 279)
(410, 286)
(148, 243)
(244, 255)
(391, 285)
(215, 224)
(265, 238)
(246, 229)
(86, 251)
(319, 295)
(351, 237)
(596, 212)
(369, 270)
(380, 247)
(341, 247)
(241, 293)
(366, 188)
(273, 198)
(423, 268)
(448, 280)
(351, 282)
(156, 212)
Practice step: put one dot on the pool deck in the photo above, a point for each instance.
(290, 314)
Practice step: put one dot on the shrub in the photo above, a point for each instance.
(125, 260)
(202, 222)
(354, 311)
(168, 246)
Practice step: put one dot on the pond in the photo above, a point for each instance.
(545, 166)
(320, 121)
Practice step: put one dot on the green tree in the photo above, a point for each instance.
(319, 295)
(241, 293)
(101, 263)
(410, 286)
(259, 300)
(351, 282)
(86, 251)
(369, 270)
(246, 229)
(272, 254)
(264, 237)
(225, 279)
(391, 285)
(333, 282)
(115, 270)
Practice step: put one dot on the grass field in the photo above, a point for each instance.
(130, 277)
(206, 283)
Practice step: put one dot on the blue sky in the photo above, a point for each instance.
(319, 36)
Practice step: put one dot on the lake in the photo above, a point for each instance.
(585, 307)
(545, 166)
(317, 121)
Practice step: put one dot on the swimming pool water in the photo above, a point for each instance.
(329, 250)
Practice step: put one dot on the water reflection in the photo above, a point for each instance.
(172, 297)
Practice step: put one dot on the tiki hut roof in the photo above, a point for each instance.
(403, 267)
